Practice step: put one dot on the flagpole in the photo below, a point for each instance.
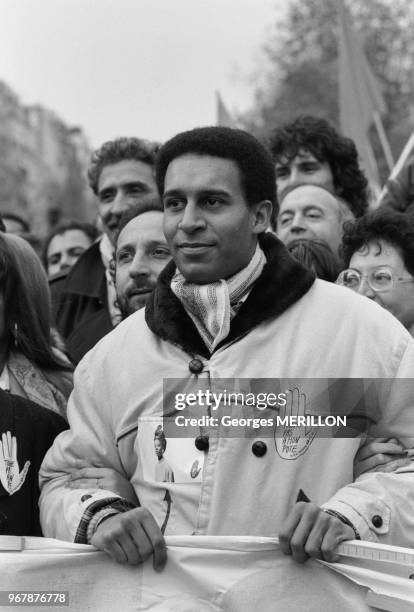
(374, 186)
(405, 154)
(383, 140)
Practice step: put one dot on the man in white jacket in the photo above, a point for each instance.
(233, 305)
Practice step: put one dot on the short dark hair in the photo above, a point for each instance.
(65, 226)
(320, 138)
(317, 256)
(149, 205)
(253, 159)
(395, 228)
(121, 149)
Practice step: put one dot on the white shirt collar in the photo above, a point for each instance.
(4, 379)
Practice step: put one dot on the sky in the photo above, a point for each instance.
(146, 68)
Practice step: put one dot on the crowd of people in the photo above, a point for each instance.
(217, 257)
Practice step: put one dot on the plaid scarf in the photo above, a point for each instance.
(213, 305)
(26, 379)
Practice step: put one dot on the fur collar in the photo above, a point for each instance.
(282, 282)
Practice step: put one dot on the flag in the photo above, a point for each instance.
(223, 117)
(360, 98)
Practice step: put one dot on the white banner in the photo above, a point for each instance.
(203, 574)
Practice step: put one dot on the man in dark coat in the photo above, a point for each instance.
(121, 176)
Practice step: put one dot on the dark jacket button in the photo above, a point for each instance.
(377, 521)
(259, 448)
(201, 443)
(85, 497)
(195, 366)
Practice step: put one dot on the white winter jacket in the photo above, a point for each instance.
(319, 331)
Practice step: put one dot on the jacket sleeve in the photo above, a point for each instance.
(90, 442)
(381, 505)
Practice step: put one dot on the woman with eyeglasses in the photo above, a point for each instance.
(378, 251)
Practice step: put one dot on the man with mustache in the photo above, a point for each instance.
(141, 253)
(121, 175)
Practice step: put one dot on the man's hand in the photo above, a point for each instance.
(380, 455)
(308, 531)
(131, 537)
(102, 478)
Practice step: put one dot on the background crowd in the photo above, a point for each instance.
(59, 298)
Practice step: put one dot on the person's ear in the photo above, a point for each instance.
(263, 213)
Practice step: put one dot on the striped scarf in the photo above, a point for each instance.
(213, 305)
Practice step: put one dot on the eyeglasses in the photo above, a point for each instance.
(380, 279)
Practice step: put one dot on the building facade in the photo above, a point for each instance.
(43, 165)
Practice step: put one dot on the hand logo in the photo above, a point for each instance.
(10, 477)
(293, 441)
